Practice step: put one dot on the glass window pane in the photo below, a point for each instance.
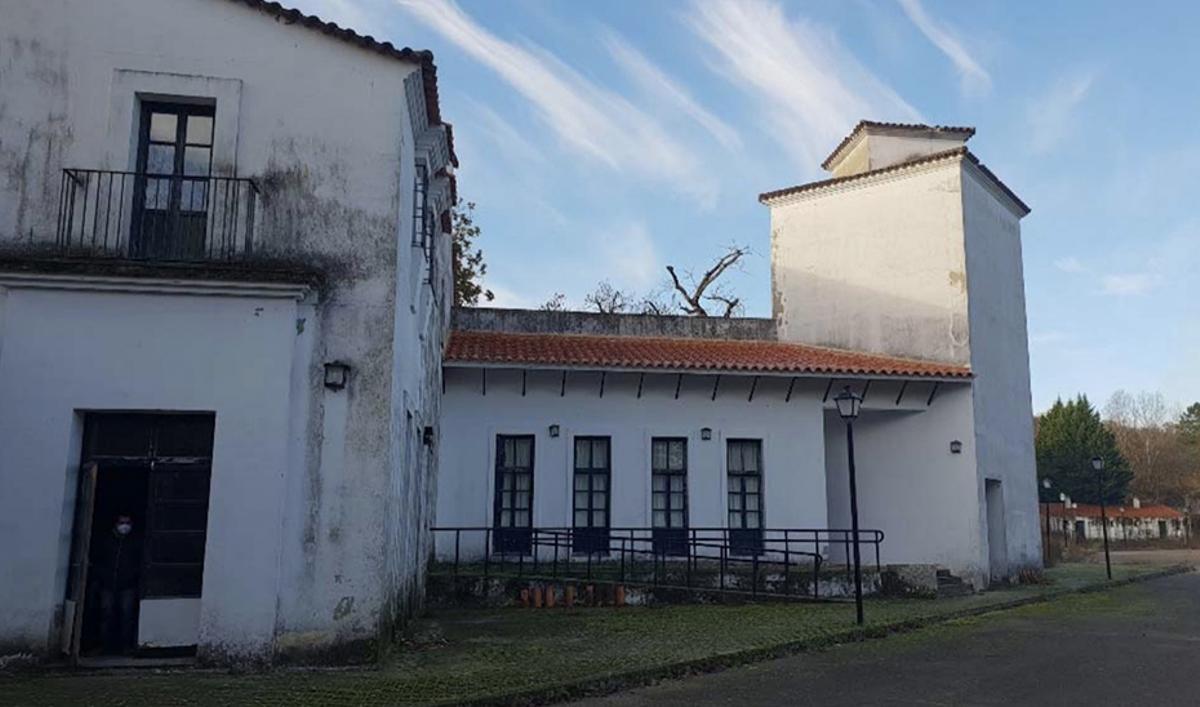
(194, 195)
(660, 501)
(659, 460)
(581, 519)
(735, 502)
(583, 456)
(659, 482)
(751, 520)
(752, 502)
(677, 482)
(677, 500)
(750, 456)
(599, 500)
(524, 448)
(751, 484)
(598, 519)
(581, 499)
(521, 499)
(506, 453)
(506, 482)
(158, 193)
(600, 454)
(523, 481)
(675, 456)
(196, 161)
(599, 482)
(162, 127)
(199, 129)
(581, 482)
(676, 519)
(735, 519)
(660, 519)
(506, 518)
(160, 159)
(733, 458)
(521, 518)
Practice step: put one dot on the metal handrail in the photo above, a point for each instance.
(149, 216)
(622, 547)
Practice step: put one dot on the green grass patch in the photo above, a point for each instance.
(461, 655)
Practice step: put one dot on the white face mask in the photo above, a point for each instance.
(124, 528)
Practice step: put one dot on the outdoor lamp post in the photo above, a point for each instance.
(1098, 465)
(1046, 485)
(848, 405)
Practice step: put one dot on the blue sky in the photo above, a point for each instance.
(606, 140)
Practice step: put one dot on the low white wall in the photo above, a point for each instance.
(165, 623)
(793, 446)
(64, 352)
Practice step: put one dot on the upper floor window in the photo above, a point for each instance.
(171, 190)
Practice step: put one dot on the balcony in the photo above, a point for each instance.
(160, 218)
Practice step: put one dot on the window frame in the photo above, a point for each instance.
(744, 539)
(512, 537)
(669, 539)
(591, 538)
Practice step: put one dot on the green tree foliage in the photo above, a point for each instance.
(1068, 436)
(469, 267)
(1189, 425)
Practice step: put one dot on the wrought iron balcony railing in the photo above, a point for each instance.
(156, 217)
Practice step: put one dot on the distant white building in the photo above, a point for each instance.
(224, 286)
(1135, 521)
(899, 277)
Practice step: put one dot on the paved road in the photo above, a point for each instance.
(1132, 646)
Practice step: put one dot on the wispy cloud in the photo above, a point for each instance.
(974, 78)
(1125, 284)
(654, 82)
(813, 90)
(1050, 116)
(1070, 264)
(590, 120)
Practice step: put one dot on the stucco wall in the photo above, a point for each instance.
(910, 485)
(324, 127)
(793, 445)
(876, 265)
(1000, 361)
(65, 352)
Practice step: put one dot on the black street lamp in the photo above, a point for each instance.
(848, 405)
(1098, 465)
(1046, 551)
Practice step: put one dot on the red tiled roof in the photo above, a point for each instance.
(1083, 510)
(863, 124)
(634, 352)
(946, 154)
(422, 58)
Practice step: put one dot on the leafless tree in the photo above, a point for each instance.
(607, 299)
(556, 303)
(1143, 425)
(695, 292)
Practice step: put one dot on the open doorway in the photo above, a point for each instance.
(997, 534)
(140, 530)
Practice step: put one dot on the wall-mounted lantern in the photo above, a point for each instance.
(555, 430)
(337, 375)
(705, 433)
(956, 447)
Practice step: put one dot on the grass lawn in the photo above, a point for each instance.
(465, 654)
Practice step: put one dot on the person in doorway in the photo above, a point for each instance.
(117, 566)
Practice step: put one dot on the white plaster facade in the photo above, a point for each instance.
(320, 498)
(912, 250)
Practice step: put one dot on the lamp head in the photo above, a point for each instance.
(848, 404)
(1098, 463)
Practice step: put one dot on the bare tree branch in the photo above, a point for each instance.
(699, 290)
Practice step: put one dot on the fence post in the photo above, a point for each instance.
(487, 551)
(457, 538)
(786, 562)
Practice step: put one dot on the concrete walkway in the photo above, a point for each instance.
(1135, 645)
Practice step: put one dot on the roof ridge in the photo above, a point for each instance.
(832, 181)
(862, 124)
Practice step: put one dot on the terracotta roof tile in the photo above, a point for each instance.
(633, 352)
(1084, 510)
(863, 124)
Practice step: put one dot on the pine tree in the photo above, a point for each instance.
(1068, 436)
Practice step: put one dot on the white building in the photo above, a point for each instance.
(1135, 521)
(210, 212)
(899, 277)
